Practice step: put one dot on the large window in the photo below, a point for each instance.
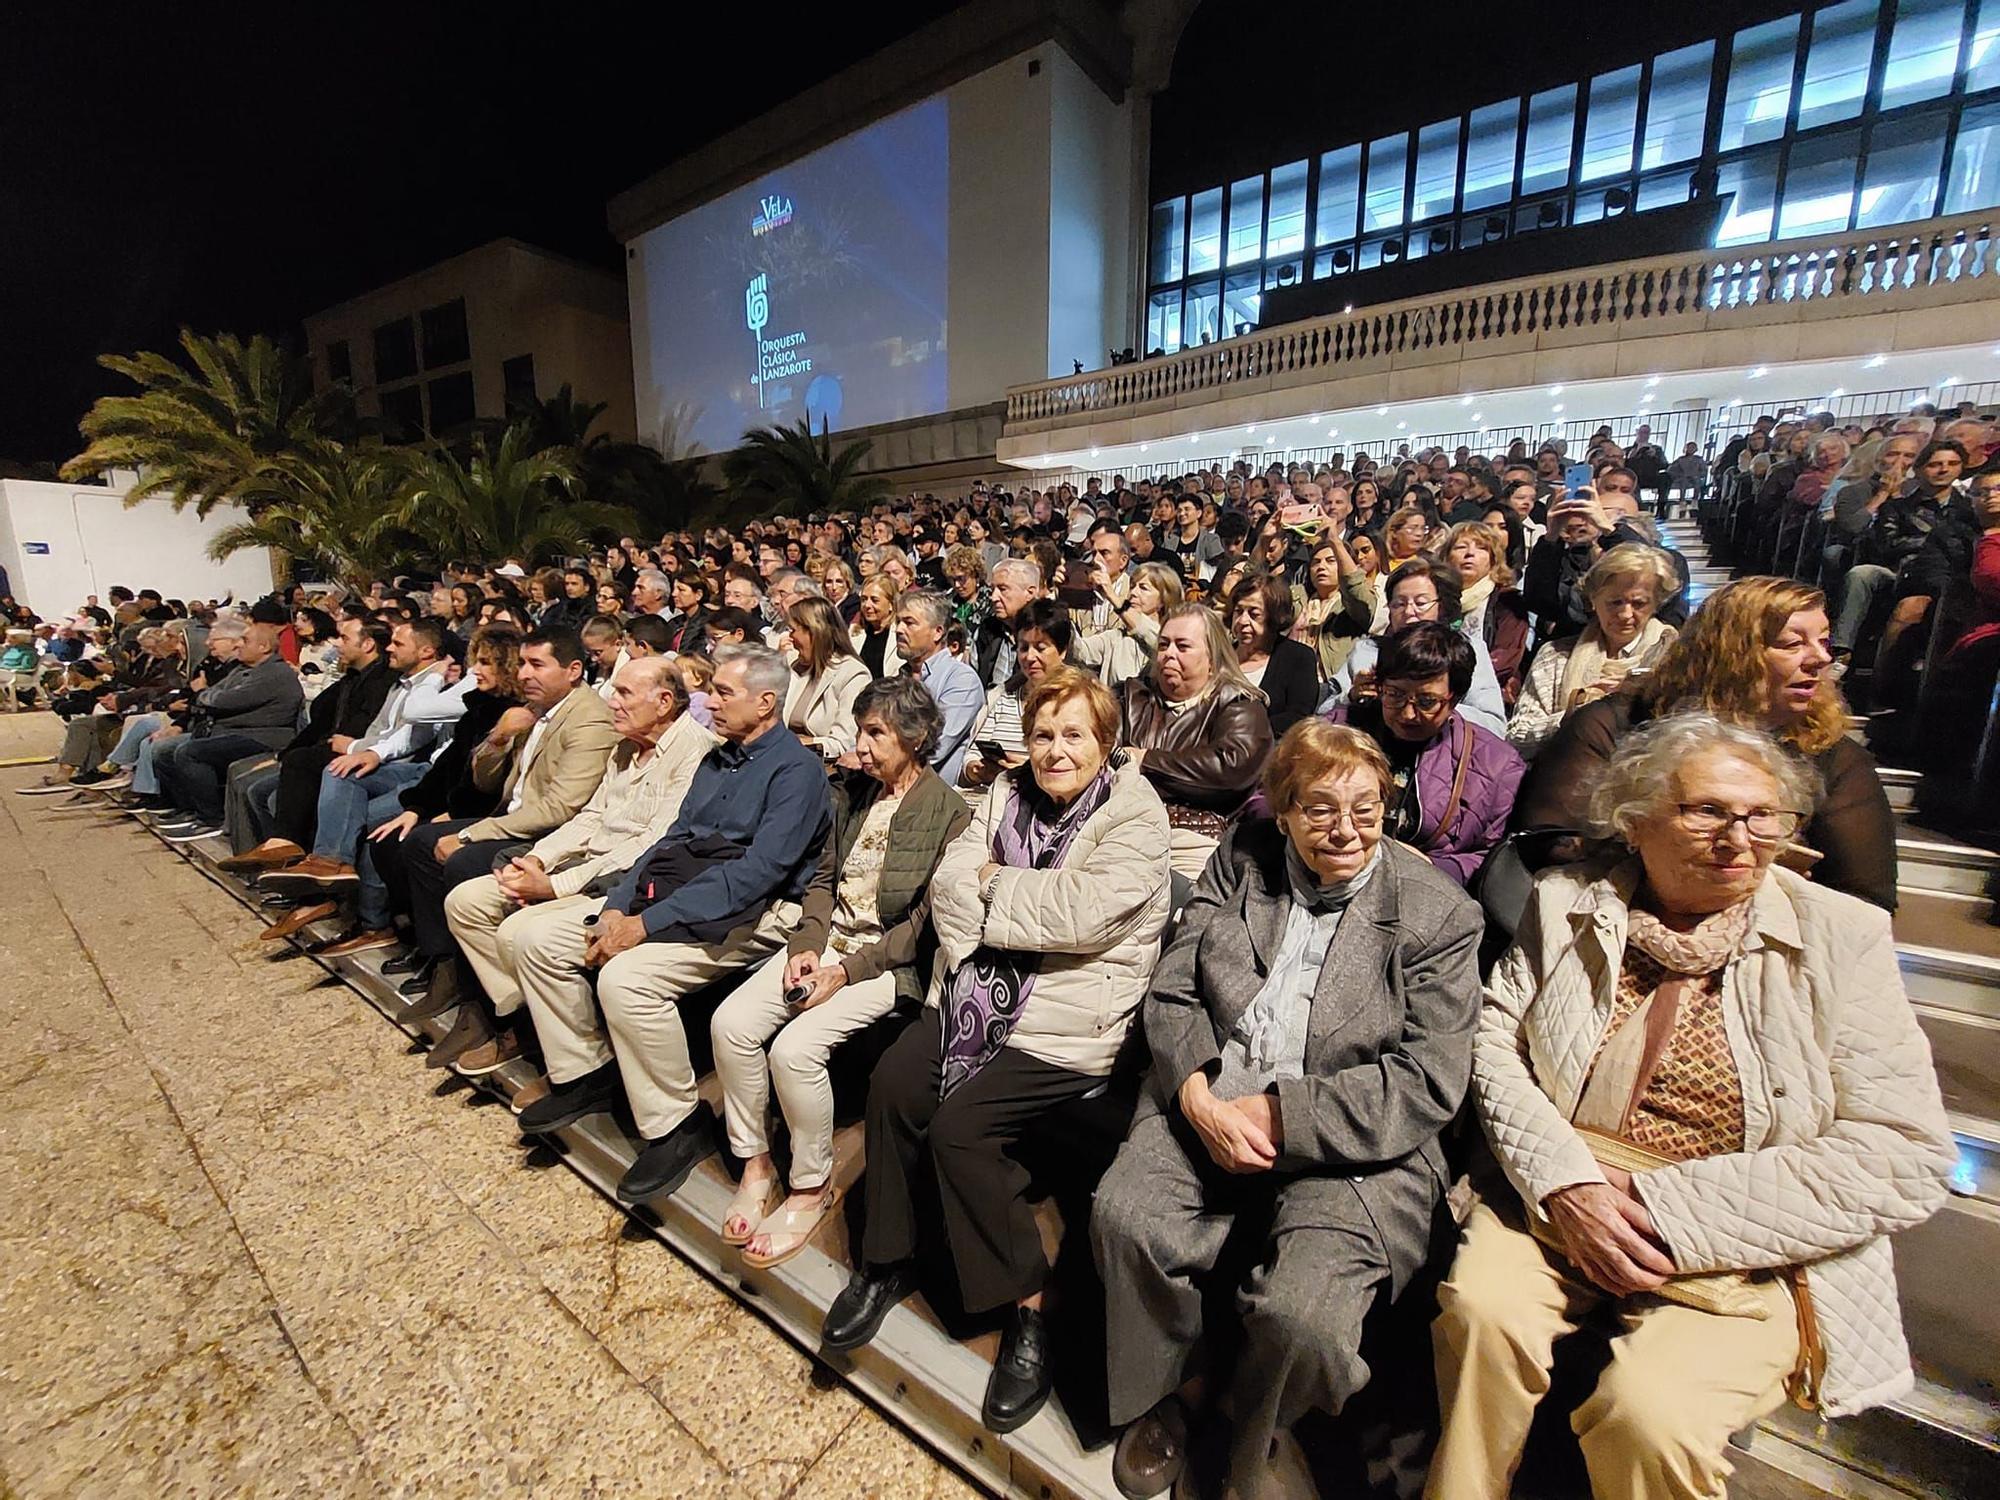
(1614, 115)
(1761, 64)
(1339, 196)
(1551, 126)
(1677, 105)
(1168, 240)
(1205, 236)
(1900, 180)
(1286, 232)
(1974, 179)
(1819, 185)
(1750, 186)
(1246, 220)
(395, 351)
(1437, 170)
(1982, 65)
(1843, 43)
(1388, 165)
(1923, 51)
(446, 341)
(1490, 146)
(1163, 322)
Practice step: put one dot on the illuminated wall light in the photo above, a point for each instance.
(1347, 309)
(1466, 401)
(1093, 453)
(1557, 407)
(1476, 416)
(1194, 437)
(1655, 380)
(1555, 390)
(1759, 372)
(1143, 447)
(1948, 380)
(1272, 439)
(1314, 419)
(1381, 411)
(1251, 428)
(1877, 362)
(1839, 390)
(1401, 425)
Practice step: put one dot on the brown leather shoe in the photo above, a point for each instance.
(267, 854)
(359, 940)
(488, 1057)
(296, 918)
(442, 995)
(312, 873)
(470, 1030)
(1151, 1452)
(532, 1092)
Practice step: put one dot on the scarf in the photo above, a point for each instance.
(985, 995)
(1588, 660)
(1474, 595)
(1707, 946)
(1273, 1026)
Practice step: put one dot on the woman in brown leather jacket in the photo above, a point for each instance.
(1198, 730)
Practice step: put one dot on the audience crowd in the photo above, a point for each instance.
(1382, 881)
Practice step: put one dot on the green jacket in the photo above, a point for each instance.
(931, 816)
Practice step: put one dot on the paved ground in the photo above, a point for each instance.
(248, 1245)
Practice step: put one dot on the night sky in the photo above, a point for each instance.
(238, 168)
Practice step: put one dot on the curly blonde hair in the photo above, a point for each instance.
(1717, 665)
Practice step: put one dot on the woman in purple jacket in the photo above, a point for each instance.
(1455, 782)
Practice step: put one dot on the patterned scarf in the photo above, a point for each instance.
(1706, 947)
(985, 995)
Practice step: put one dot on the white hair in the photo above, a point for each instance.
(764, 670)
(1026, 572)
(1638, 783)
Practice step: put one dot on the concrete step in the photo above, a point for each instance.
(1900, 786)
(1931, 861)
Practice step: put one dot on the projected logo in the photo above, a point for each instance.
(773, 212)
(778, 358)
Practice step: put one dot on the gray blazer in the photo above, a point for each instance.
(1388, 1042)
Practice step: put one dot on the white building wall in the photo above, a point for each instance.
(93, 541)
(1090, 219)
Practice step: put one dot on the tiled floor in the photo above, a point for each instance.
(249, 1245)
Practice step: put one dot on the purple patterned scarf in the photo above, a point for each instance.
(985, 995)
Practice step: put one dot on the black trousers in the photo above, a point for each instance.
(430, 882)
(965, 1141)
(296, 811)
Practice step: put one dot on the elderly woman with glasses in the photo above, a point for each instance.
(1311, 1034)
(1424, 589)
(1710, 1105)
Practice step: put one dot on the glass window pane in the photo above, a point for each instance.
(1388, 161)
(1923, 52)
(1843, 43)
(1819, 185)
(1199, 325)
(1287, 232)
(1437, 170)
(1753, 180)
(1169, 240)
(445, 339)
(1205, 232)
(1246, 220)
(1899, 181)
(1614, 115)
(1489, 154)
(1163, 322)
(1677, 105)
(1551, 123)
(1974, 182)
(396, 352)
(1287, 273)
(1339, 195)
(1982, 66)
(1760, 83)
(1664, 190)
(1242, 297)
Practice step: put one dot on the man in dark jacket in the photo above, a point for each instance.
(273, 807)
(255, 708)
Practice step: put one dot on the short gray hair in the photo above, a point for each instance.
(226, 626)
(1637, 780)
(764, 671)
(933, 607)
(802, 583)
(655, 580)
(906, 706)
(1029, 573)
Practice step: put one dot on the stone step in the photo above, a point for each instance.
(1929, 861)
(1900, 786)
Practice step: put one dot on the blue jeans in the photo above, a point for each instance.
(137, 728)
(373, 898)
(343, 805)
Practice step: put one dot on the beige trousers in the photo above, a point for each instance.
(640, 992)
(796, 1065)
(1680, 1382)
(478, 910)
(536, 952)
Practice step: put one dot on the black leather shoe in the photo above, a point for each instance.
(1152, 1452)
(412, 962)
(595, 1093)
(1021, 1380)
(664, 1164)
(857, 1313)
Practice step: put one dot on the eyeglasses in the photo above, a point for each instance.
(1766, 825)
(1395, 700)
(1324, 815)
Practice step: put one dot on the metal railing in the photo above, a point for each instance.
(1867, 270)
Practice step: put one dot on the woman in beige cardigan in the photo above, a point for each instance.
(1710, 1106)
(827, 678)
(1048, 911)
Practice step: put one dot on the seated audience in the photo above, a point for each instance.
(921, 621)
(1709, 1099)
(1311, 1034)
(1259, 613)
(873, 633)
(1624, 588)
(1454, 780)
(1042, 638)
(827, 678)
(1489, 603)
(1424, 589)
(252, 711)
(1197, 730)
(1335, 606)
(863, 946)
(1125, 649)
(1755, 653)
(1048, 911)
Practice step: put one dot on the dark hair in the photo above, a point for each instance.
(1426, 649)
(907, 707)
(726, 619)
(431, 630)
(1450, 592)
(652, 631)
(321, 622)
(564, 644)
(376, 628)
(1231, 526)
(1279, 611)
(270, 611)
(1047, 616)
(1942, 445)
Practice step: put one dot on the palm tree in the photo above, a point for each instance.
(507, 501)
(206, 435)
(338, 508)
(789, 470)
(663, 488)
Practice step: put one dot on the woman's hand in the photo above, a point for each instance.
(397, 828)
(1361, 687)
(979, 771)
(1609, 1236)
(799, 968)
(822, 985)
(1235, 1142)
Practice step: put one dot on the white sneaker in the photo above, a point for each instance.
(45, 789)
(192, 833)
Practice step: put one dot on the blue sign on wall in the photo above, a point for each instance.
(35, 549)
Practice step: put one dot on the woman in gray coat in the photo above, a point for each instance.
(1311, 1030)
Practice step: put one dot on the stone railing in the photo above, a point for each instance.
(1887, 270)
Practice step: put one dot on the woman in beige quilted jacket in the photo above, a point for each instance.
(1709, 1104)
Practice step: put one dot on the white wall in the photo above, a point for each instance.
(1090, 219)
(94, 541)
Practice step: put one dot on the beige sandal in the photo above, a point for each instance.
(752, 1201)
(798, 1225)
